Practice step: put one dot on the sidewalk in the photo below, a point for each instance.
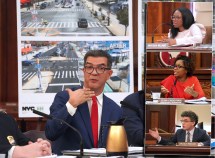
(115, 28)
(32, 85)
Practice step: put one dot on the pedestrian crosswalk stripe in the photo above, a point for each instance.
(65, 74)
(61, 25)
(32, 75)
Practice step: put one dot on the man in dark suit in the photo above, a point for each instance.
(14, 144)
(188, 133)
(133, 111)
(75, 107)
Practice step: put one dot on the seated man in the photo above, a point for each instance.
(15, 144)
(87, 108)
(133, 110)
(189, 133)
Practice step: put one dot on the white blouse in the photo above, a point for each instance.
(193, 35)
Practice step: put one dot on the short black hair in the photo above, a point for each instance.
(187, 18)
(99, 53)
(192, 115)
(188, 64)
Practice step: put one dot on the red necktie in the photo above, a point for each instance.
(94, 121)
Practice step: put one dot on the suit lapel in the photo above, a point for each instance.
(85, 115)
(105, 111)
(195, 135)
(183, 137)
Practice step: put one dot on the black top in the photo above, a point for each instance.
(10, 134)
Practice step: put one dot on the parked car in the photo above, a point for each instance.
(27, 63)
(67, 5)
(37, 55)
(82, 23)
(115, 7)
(77, 4)
(57, 52)
(57, 5)
(43, 5)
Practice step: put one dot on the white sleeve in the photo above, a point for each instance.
(195, 36)
(10, 152)
(71, 110)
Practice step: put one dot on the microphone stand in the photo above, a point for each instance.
(62, 121)
(81, 140)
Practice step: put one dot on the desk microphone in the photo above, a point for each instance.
(153, 33)
(50, 117)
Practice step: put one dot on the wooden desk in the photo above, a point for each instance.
(162, 47)
(173, 150)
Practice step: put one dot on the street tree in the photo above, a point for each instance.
(122, 16)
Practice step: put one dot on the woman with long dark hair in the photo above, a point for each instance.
(184, 29)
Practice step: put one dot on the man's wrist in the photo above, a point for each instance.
(159, 139)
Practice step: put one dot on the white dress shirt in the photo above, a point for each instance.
(72, 110)
(193, 35)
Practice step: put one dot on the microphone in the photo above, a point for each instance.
(153, 33)
(136, 109)
(62, 121)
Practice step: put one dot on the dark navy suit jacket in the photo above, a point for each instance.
(64, 138)
(134, 112)
(9, 127)
(199, 135)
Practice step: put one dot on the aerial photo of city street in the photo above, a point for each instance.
(74, 17)
(52, 66)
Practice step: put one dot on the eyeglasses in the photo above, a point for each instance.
(175, 17)
(100, 69)
(185, 121)
(178, 66)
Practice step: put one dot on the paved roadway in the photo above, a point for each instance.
(62, 22)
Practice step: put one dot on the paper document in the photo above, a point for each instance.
(181, 45)
(202, 100)
(101, 151)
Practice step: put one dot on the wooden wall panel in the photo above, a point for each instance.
(159, 13)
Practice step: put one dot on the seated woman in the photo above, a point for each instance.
(182, 84)
(184, 29)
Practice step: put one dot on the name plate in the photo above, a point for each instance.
(154, 45)
(187, 144)
(171, 100)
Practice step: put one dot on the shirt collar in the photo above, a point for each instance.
(191, 131)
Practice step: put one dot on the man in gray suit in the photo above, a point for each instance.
(188, 133)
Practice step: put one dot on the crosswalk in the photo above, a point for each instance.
(48, 58)
(59, 9)
(60, 25)
(64, 74)
(28, 75)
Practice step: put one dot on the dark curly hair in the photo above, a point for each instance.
(99, 53)
(187, 18)
(192, 115)
(188, 64)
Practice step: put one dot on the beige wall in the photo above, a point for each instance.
(204, 13)
(203, 111)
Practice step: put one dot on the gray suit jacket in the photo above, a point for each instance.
(199, 135)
